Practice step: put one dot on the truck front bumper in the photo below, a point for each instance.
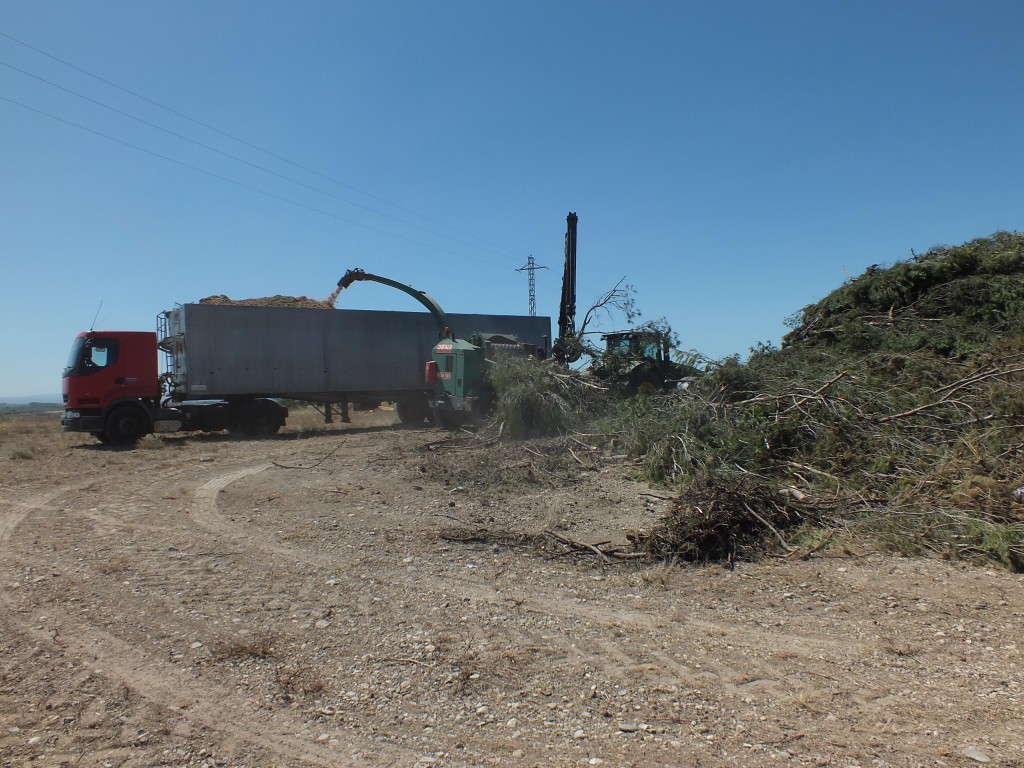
(81, 421)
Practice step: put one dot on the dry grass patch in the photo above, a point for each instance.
(304, 419)
(114, 566)
(26, 436)
(244, 649)
(298, 681)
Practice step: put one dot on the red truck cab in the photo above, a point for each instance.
(111, 385)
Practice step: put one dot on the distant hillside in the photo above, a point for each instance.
(26, 399)
(30, 404)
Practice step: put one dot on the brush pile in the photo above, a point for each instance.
(894, 410)
(540, 399)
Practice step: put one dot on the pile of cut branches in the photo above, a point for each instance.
(484, 462)
(893, 410)
(539, 398)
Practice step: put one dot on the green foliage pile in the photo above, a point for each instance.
(952, 302)
(539, 399)
(893, 409)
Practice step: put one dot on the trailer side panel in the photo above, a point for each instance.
(217, 350)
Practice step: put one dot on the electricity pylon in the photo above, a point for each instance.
(531, 267)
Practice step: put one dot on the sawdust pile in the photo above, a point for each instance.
(302, 302)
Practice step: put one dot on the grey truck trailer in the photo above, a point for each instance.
(227, 365)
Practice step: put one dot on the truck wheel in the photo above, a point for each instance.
(447, 419)
(125, 425)
(485, 405)
(645, 381)
(258, 418)
(411, 411)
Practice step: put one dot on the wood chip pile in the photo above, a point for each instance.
(302, 302)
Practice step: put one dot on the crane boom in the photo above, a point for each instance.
(567, 308)
(567, 347)
(355, 275)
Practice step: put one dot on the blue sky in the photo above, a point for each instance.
(735, 161)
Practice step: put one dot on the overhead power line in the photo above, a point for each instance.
(244, 185)
(230, 156)
(507, 252)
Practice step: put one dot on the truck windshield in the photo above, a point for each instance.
(90, 355)
(74, 357)
(619, 345)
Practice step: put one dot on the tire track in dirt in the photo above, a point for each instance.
(766, 664)
(19, 510)
(43, 502)
(168, 577)
(202, 703)
(205, 511)
(638, 660)
(206, 494)
(711, 674)
(207, 700)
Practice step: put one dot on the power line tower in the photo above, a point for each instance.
(531, 267)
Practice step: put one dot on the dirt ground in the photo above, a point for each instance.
(368, 595)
